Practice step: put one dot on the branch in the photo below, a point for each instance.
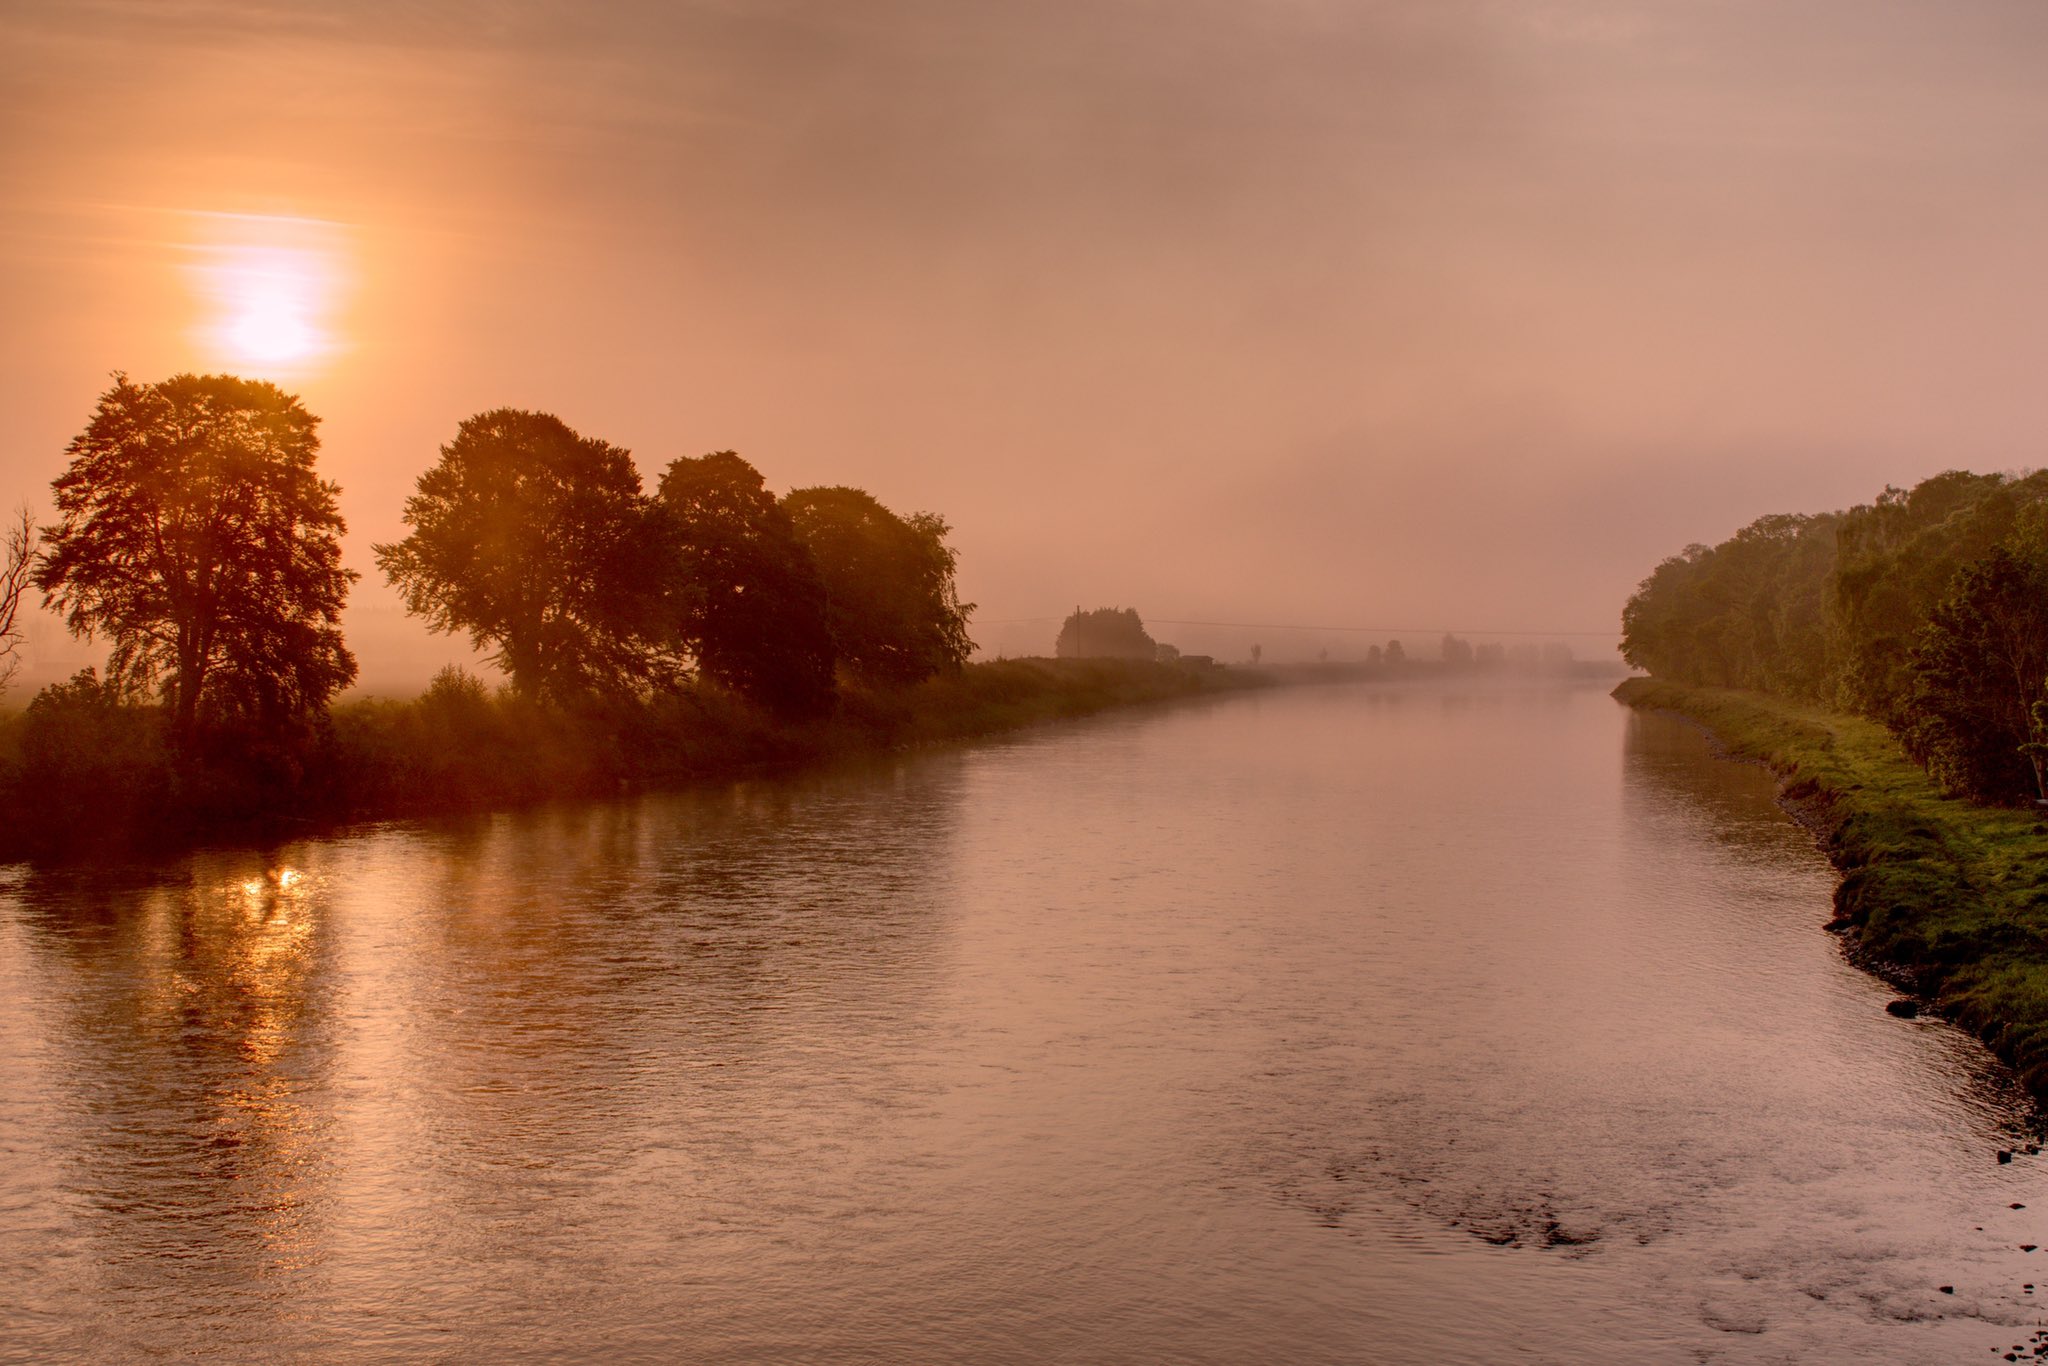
(18, 557)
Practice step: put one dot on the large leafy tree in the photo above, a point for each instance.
(749, 604)
(537, 543)
(194, 535)
(895, 615)
(1979, 669)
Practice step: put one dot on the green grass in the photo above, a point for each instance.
(1946, 897)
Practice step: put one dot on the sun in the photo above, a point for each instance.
(267, 288)
(271, 304)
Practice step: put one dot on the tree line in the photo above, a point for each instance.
(195, 537)
(1926, 610)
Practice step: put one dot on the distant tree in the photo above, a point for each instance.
(1395, 653)
(1457, 653)
(193, 533)
(1257, 650)
(1491, 655)
(1374, 655)
(536, 542)
(1167, 654)
(17, 573)
(1750, 612)
(748, 602)
(1105, 633)
(895, 615)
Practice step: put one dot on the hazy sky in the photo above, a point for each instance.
(1447, 313)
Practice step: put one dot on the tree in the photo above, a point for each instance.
(1979, 669)
(896, 617)
(1895, 560)
(1105, 633)
(1457, 651)
(748, 603)
(194, 535)
(1396, 653)
(17, 572)
(537, 543)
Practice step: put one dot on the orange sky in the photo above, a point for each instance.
(1453, 313)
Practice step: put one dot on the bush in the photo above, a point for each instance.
(86, 759)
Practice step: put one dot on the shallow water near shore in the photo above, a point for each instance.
(1321, 1024)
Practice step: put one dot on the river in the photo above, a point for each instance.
(1343, 1024)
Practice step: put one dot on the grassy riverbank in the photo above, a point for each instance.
(1945, 897)
(85, 774)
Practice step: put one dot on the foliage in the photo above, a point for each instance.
(895, 615)
(747, 600)
(194, 535)
(1895, 559)
(1105, 633)
(1921, 610)
(1748, 613)
(83, 758)
(536, 542)
(85, 765)
(1979, 668)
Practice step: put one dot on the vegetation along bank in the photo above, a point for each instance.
(702, 629)
(1890, 661)
(83, 768)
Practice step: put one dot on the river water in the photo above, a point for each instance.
(1321, 1025)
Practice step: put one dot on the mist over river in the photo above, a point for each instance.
(1346, 1024)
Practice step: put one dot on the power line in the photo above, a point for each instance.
(1285, 626)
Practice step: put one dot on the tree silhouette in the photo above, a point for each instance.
(748, 602)
(194, 534)
(17, 572)
(895, 615)
(536, 542)
(1105, 633)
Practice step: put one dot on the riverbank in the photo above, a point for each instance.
(1946, 898)
(84, 775)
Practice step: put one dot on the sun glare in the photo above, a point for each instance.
(267, 288)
